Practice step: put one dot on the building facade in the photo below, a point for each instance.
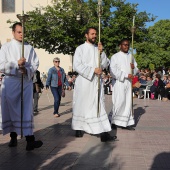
(8, 11)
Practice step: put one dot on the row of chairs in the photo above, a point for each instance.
(147, 93)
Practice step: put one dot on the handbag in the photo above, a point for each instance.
(137, 84)
(63, 93)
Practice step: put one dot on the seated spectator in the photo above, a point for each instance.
(168, 80)
(135, 85)
(148, 83)
(147, 72)
(142, 80)
(166, 92)
(165, 79)
(157, 87)
(106, 83)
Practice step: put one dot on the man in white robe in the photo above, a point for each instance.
(13, 66)
(85, 96)
(120, 68)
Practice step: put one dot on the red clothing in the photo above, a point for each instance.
(155, 83)
(135, 79)
(59, 78)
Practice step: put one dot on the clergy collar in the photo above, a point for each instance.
(89, 43)
(124, 53)
(18, 42)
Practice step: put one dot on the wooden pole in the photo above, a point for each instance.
(132, 60)
(99, 15)
(22, 19)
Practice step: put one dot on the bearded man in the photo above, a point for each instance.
(85, 97)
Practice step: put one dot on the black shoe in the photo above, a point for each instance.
(79, 134)
(31, 143)
(128, 128)
(105, 137)
(35, 144)
(141, 97)
(114, 127)
(36, 111)
(13, 141)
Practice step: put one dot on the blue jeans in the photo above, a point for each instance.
(56, 91)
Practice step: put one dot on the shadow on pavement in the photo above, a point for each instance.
(56, 151)
(161, 161)
(61, 150)
(61, 113)
(66, 111)
(46, 108)
(137, 114)
(65, 104)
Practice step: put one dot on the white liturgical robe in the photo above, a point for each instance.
(121, 89)
(10, 53)
(85, 96)
(0, 117)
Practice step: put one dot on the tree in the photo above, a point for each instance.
(119, 24)
(60, 28)
(155, 49)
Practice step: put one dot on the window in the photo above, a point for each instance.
(8, 6)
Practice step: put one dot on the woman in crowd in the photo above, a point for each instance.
(56, 80)
(166, 92)
(157, 87)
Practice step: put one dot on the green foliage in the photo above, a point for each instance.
(60, 28)
(155, 48)
(151, 66)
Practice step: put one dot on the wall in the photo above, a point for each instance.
(6, 34)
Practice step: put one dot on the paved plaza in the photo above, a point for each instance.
(146, 148)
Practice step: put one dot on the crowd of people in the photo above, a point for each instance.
(89, 113)
(157, 83)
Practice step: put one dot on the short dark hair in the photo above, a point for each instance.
(14, 25)
(158, 76)
(88, 29)
(124, 39)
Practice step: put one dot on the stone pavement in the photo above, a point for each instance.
(146, 148)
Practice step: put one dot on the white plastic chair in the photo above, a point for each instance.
(146, 92)
(108, 90)
(159, 97)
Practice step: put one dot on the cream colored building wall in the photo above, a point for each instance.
(6, 34)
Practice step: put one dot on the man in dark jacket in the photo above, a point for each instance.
(37, 86)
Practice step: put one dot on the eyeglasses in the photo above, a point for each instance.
(56, 61)
(125, 44)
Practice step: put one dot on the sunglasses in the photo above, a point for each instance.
(125, 44)
(56, 61)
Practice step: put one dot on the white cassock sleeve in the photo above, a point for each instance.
(115, 71)
(104, 61)
(81, 67)
(32, 64)
(7, 67)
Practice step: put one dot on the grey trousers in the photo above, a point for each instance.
(36, 97)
